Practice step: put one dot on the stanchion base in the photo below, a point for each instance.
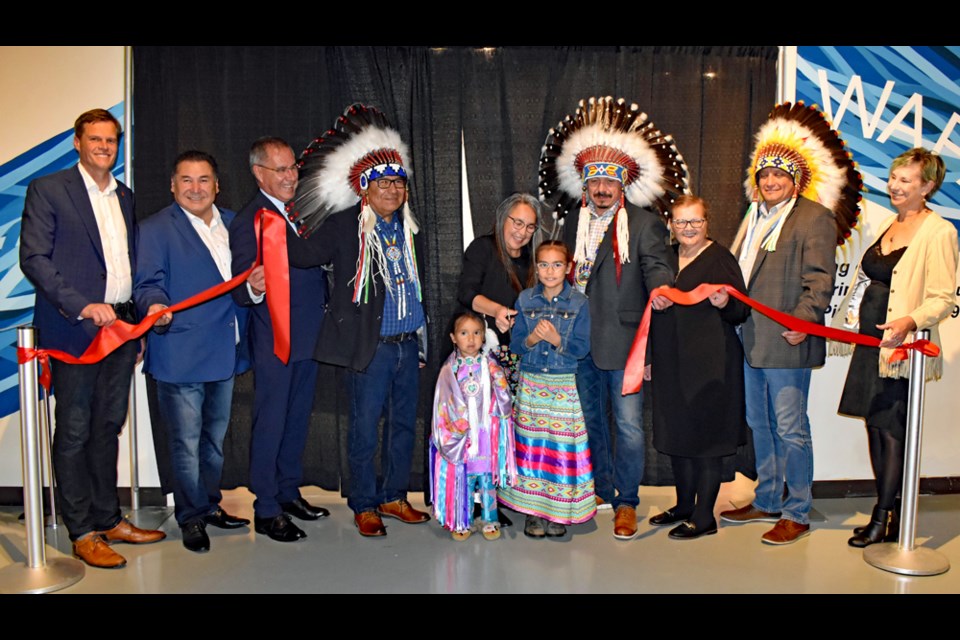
(918, 562)
(58, 573)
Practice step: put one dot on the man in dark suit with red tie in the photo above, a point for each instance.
(78, 240)
(283, 392)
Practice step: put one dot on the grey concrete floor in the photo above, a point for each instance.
(423, 558)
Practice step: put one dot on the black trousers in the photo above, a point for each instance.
(90, 411)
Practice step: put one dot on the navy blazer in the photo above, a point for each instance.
(172, 265)
(308, 290)
(62, 256)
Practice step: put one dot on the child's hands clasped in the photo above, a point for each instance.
(546, 331)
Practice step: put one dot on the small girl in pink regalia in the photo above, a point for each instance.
(472, 445)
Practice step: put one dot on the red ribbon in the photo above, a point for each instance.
(636, 360)
(108, 339)
(276, 272)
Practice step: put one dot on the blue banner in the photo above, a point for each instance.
(886, 100)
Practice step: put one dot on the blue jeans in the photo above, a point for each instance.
(90, 412)
(617, 468)
(197, 415)
(387, 388)
(777, 415)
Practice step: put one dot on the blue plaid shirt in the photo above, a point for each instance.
(391, 325)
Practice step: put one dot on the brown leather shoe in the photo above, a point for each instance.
(786, 532)
(749, 513)
(126, 532)
(625, 523)
(94, 551)
(369, 524)
(402, 511)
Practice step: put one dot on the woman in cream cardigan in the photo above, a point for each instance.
(905, 282)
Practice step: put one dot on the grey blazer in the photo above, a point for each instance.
(615, 311)
(797, 278)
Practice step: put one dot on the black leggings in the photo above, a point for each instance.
(886, 458)
(698, 483)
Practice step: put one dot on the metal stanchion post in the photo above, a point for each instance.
(37, 575)
(904, 557)
(46, 443)
(134, 449)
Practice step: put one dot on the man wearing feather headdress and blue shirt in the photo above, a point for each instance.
(786, 246)
(353, 184)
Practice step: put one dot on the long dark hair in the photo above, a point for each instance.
(503, 212)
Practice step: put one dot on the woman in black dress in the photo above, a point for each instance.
(697, 374)
(497, 267)
(905, 282)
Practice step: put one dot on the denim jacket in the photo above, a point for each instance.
(569, 313)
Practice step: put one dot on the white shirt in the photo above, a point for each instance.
(113, 237)
(217, 240)
(281, 207)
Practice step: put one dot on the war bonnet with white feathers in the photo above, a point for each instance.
(609, 138)
(335, 172)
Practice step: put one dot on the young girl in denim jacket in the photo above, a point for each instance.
(554, 484)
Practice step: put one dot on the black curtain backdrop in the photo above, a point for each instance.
(503, 101)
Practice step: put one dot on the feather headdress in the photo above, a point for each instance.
(799, 140)
(608, 138)
(335, 172)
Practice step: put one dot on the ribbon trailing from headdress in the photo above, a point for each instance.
(636, 360)
(271, 252)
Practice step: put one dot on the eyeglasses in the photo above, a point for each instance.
(520, 224)
(386, 183)
(696, 223)
(551, 265)
(281, 170)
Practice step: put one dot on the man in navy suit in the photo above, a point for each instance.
(78, 240)
(283, 393)
(185, 249)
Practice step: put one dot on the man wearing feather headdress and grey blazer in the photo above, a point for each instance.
(612, 162)
(785, 246)
(353, 193)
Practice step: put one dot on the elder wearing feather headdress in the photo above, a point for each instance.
(804, 192)
(351, 208)
(610, 168)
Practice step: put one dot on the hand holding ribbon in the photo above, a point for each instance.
(271, 250)
(636, 360)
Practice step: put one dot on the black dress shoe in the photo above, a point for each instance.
(689, 531)
(223, 520)
(195, 536)
(302, 509)
(670, 516)
(279, 528)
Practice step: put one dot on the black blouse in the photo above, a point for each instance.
(483, 274)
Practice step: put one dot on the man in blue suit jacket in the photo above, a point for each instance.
(78, 240)
(185, 249)
(283, 393)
